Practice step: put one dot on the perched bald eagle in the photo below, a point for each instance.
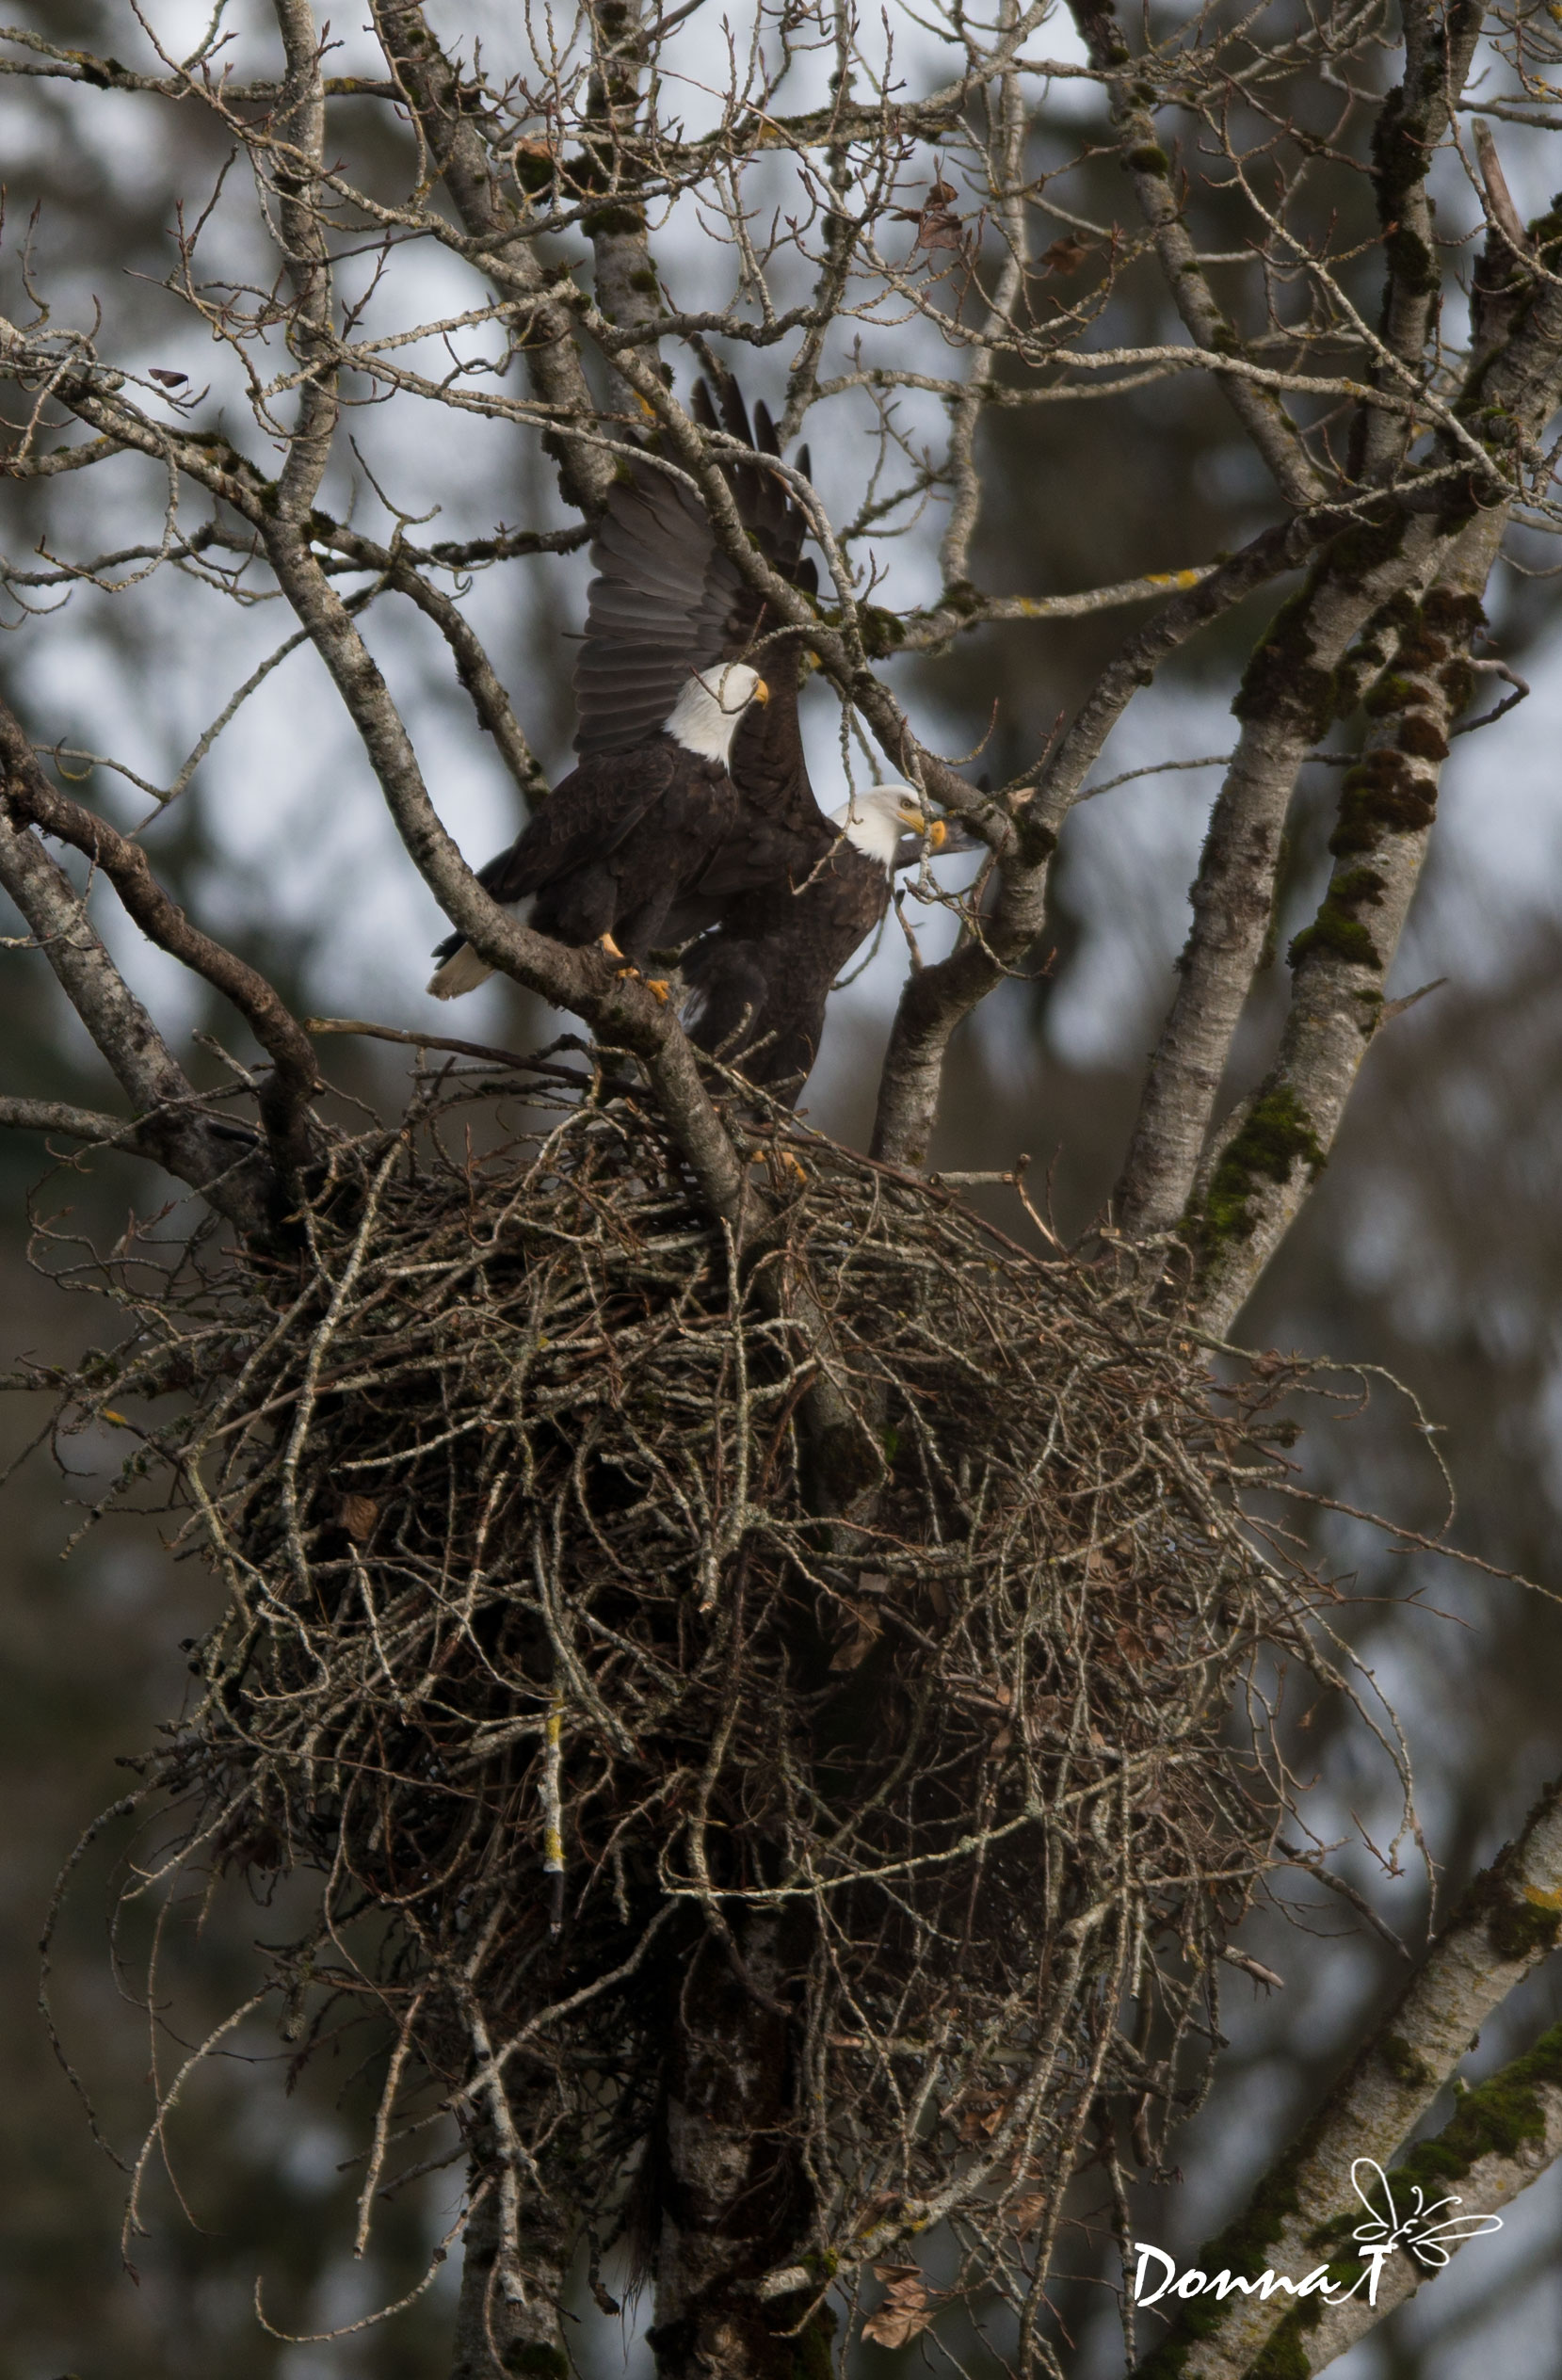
(631, 834)
(759, 982)
(685, 798)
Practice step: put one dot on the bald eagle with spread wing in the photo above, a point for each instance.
(679, 805)
(759, 984)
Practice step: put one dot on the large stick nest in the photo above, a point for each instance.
(539, 1658)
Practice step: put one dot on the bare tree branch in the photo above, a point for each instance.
(1253, 1192)
(1149, 168)
(1286, 705)
(1505, 1925)
(937, 998)
(301, 132)
(433, 91)
(473, 667)
(1439, 44)
(286, 1098)
(75, 1123)
(169, 1121)
(1504, 2134)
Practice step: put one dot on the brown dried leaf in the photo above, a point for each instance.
(892, 2325)
(358, 1514)
(937, 224)
(1066, 255)
(982, 2115)
(1027, 2213)
(854, 1650)
(905, 2310)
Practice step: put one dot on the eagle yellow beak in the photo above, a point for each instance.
(760, 693)
(938, 835)
(912, 816)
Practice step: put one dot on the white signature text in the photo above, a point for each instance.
(1380, 2237)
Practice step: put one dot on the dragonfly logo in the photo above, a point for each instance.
(1416, 2231)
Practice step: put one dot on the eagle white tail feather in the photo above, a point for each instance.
(463, 970)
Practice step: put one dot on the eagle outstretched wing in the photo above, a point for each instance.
(658, 610)
(768, 763)
(766, 504)
(666, 602)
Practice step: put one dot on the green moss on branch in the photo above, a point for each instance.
(1277, 1136)
(1381, 794)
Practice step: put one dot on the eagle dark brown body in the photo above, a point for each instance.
(623, 839)
(760, 984)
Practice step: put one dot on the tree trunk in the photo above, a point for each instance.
(730, 2189)
(500, 2334)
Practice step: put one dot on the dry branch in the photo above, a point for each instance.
(170, 1123)
(456, 152)
(286, 1098)
(1505, 1925)
(1505, 2133)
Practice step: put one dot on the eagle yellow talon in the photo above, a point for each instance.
(794, 1165)
(629, 974)
(610, 950)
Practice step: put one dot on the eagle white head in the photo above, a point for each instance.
(873, 821)
(705, 717)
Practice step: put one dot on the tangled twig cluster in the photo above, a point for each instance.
(539, 1659)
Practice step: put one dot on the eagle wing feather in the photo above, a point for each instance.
(657, 610)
